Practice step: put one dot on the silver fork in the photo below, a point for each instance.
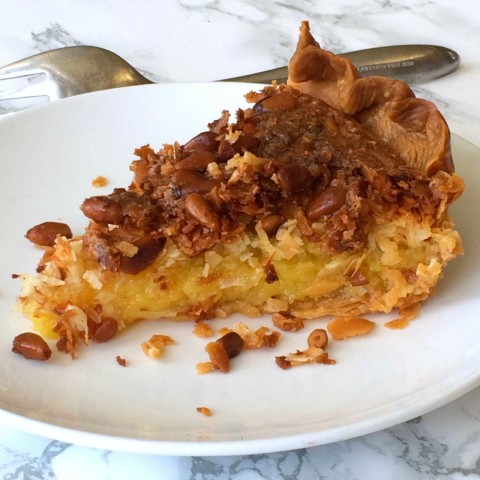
(68, 71)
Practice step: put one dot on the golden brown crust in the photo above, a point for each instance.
(413, 127)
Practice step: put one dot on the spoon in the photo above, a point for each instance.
(75, 70)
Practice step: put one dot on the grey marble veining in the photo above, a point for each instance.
(190, 40)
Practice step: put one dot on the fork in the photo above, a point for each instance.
(68, 71)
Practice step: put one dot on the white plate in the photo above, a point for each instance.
(48, 158)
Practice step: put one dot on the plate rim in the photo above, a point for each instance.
(216, 448)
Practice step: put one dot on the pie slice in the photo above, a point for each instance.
(329, 196)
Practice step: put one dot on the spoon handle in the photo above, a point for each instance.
(410, 63)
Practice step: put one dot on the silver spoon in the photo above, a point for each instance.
(75, 70)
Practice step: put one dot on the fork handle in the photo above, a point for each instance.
(410, 63)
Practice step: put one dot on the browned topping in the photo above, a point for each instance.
(99, 182)
(218, 356)
(204, 411)
(291, 156)
(103, 331)
(318, 338)
(233, 343)
(230, 147)
(287, 322)
(31, 346)
(342, 328)
(294, 178)
(46, 233)
(121, 361)
(155, 346)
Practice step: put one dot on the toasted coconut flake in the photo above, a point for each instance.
(262, 337)
(203, 330)
(93, 278)
(205, 367)
(342, 328)
(155, 347)
(310, 355)
(406, 315)
(287, 322)
(273, 305)
(126, 248)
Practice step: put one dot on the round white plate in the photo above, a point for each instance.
(50, 155)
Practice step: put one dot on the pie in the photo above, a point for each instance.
(328, 196)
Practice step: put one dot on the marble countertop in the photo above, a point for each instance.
(203, 40)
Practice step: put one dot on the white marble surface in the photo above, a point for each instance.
(190, 40)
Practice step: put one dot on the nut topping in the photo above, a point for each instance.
(199, 208)
(232, 343)
(276, 103)
(318, 338)
(205, 141)
(294, 178)
(218, 356)
(326, 202)
(196, 161)
(105, 330)
(272, 223)
(148, 250)
(45, 233)
(102, 209)
(31, 346)
(191, 182)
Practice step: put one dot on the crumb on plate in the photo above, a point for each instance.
(342, 328)
(204, 411)
(99, 182)
(155, 347)
(121, 361)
